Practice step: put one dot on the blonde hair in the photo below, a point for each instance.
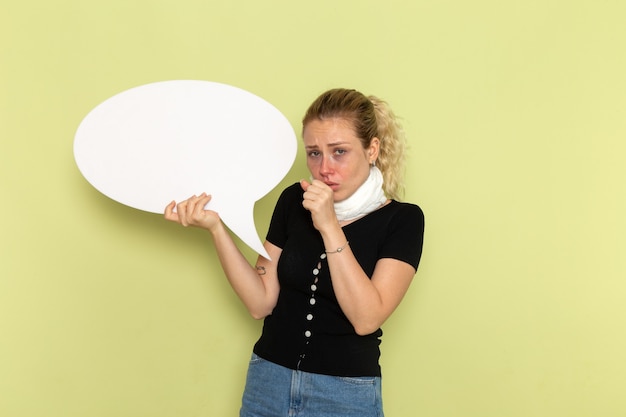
(371, 117)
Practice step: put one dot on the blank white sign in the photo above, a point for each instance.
(170, 140)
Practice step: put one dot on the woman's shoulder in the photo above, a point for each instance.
(292, 192)
(290, 197)
(294, 188)
(406, 209)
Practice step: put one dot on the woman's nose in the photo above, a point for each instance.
(325, 166)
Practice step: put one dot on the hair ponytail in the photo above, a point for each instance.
(391, 156)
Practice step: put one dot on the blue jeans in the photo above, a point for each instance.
(275, 391)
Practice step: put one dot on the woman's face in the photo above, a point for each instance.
(336, 157)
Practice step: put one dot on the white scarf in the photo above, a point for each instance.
(367, 198)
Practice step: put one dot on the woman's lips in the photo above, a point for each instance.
(333, 186)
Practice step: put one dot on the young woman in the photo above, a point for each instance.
(343, 252)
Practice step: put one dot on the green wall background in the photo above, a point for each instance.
(515, 112)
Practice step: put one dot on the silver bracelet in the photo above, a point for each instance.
(339, 249)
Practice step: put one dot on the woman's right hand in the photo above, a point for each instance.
(191, 212)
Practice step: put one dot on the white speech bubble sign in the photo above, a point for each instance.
(170, 140)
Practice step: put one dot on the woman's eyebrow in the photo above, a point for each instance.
(328, 145)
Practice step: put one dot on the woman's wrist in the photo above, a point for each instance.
(217, 228)
(334, 239)
(339, 249)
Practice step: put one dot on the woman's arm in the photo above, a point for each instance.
(366, 302)
(258, 286)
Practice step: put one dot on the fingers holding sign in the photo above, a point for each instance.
(192, 212)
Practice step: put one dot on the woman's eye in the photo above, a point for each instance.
(340, 151)
(314, 154)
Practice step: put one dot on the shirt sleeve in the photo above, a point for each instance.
(277, 232)
(406, 236)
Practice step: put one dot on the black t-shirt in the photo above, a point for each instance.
(307, 329)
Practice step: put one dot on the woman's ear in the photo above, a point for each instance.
(372, 151)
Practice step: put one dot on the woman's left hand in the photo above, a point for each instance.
(191, 212)
(318, 199)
